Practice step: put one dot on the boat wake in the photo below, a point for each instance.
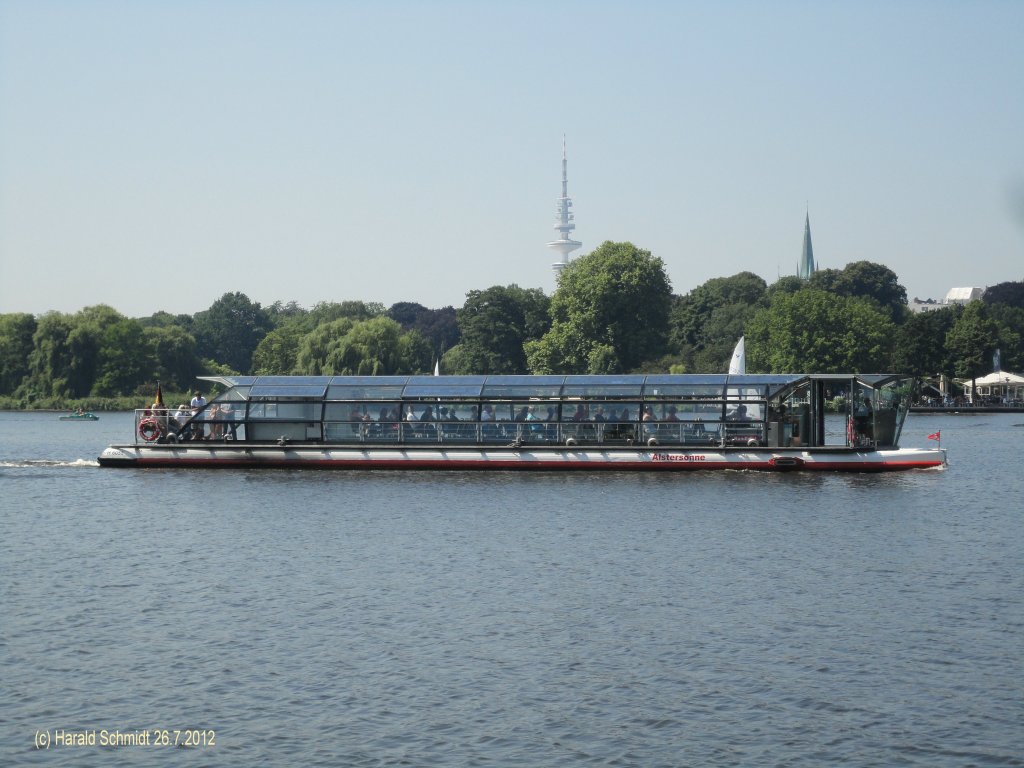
(46, 463)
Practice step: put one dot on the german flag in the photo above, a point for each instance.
(159, 396)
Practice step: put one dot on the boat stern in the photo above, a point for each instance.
(118, 456)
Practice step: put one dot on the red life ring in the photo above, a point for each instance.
(149, 430)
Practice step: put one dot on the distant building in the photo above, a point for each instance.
(955, 297)
(564, 223)
(806, 267)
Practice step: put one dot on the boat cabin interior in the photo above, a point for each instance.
(772, 410)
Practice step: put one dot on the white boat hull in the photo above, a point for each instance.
(511, 458)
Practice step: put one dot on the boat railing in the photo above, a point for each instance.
(170, 426)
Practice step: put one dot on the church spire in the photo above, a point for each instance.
(807, 267)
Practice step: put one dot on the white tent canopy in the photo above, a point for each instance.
(999, 383)
(999, 378)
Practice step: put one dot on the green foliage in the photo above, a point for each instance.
(616, 297)
(813, 330)
(495, 323)
(230, 330)
(326, 311)
(125, 358)
(920, 343)
(16, 331)
(437, 326)
(315, 346)
(1009, 293)
(613, 312)
(1010, 320)
(175, 354)
(278, 351)
(50, 362)
(706, 323)
(373, 347)
(867, 280)
(786, 284)
(972, 340)
(378, 347)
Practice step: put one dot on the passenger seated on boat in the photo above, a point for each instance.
(180, 418)
(862, 418)
(740, 414)
(671, 414)
(650, 429)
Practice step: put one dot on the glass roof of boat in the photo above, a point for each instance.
(651, 386)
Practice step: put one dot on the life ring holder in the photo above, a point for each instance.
(149, 429)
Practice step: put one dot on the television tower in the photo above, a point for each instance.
(564, 245)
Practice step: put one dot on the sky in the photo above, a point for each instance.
(156, 155)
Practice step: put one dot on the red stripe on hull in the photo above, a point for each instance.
(526, 465)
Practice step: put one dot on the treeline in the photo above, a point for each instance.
(613, 312)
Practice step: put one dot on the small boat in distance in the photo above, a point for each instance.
(655, 422)
(80, 415)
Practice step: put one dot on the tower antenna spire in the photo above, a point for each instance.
(564, 220)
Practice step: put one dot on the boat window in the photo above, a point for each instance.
(284, 410)
(365, 392)
(705, 391)
(278, 392)
(424, 387)
(668, 385)
(686, 410)
(368, 411)
(292, 381)
(234, 395)
(603, 386)
(521, 387)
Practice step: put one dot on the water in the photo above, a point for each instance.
(370, 619)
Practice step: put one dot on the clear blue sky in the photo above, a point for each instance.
(155, 155)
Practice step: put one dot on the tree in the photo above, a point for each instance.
(616, 297)
(124, 359)
(706, 323)
(378, 347)
(690, 312)
(495, 323)
(315, 346)
(813, 330)
(438, 326)
(175, 356)
(876, 282)
(374, 347)
(326, 311)
(971, 342)
(1011, 294)
(866, 280)
(919, 347)
(278, 351)
(16, 331)
(230, 329)
(50, 358)
(786, 284)
(1010, 320)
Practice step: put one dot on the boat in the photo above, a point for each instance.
(657, 422)
(80, 416)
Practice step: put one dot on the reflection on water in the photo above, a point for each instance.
(374, 618)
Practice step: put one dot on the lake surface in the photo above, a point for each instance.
(371, 619)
